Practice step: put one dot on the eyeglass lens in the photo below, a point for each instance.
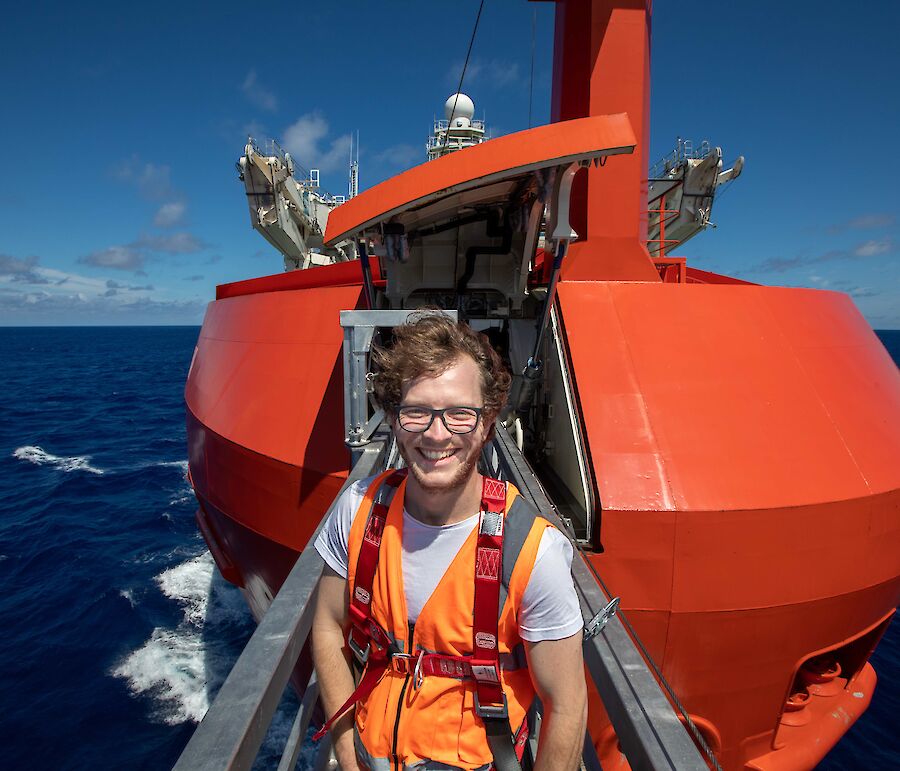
(458, 420)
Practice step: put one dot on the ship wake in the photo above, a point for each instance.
(41, 457)
(181, 667)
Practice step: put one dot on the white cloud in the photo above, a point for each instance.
(153, 183)
(307, 141)
(108, 306)
(22, 271)
(115, 285)
(503, 73)
(133, 256)
(116, 257)
(401, 156)
(151, 180)
(258, 94)
(873, 247)
(169, 214)
(869, 221)
(493, 73)
(866, 221)
(174, 243)
(73, 298)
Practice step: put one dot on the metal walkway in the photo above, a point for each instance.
(229, 737)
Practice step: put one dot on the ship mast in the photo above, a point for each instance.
(601, 66)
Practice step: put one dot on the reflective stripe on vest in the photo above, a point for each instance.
(437, 721)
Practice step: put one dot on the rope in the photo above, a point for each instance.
(462, 75)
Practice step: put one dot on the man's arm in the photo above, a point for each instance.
(332, 662)
(557, 671)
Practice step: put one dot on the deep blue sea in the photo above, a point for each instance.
(116, 629)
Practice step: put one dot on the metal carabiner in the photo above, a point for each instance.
(418, 674)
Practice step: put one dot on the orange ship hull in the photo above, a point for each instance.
(750, 511)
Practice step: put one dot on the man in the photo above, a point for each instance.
(423, 701)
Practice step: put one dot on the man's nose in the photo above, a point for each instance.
(437, 430)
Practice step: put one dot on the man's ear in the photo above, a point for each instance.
(491, 431)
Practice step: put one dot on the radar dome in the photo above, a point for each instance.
(465, 107)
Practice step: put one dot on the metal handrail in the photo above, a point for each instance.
(231, 733)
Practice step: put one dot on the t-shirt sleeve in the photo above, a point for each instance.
(550, 609)
(332, 541)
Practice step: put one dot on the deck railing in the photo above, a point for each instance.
(231, 733)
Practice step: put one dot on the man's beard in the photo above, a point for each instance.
(458, 480)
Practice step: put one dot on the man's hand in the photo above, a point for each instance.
(557, 671)
(332, 662)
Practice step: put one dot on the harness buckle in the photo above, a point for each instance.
(485, 672)
(360, 654)
(491, 711)
(404, 667)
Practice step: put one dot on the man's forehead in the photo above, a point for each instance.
(462, 377)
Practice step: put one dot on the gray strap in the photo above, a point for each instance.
(519, 519)
(500, 740)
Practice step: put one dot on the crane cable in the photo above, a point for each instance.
(462, 75)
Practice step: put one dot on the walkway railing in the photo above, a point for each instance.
(231, 733)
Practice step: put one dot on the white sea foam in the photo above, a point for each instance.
(182, 667)
(179, 464)
(128, 595)
(41, 457)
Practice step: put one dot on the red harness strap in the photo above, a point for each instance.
(363, 630)
(485, 661)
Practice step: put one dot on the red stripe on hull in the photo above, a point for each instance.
(339, 274)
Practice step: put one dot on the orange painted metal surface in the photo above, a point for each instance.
(593, 40)
(266, 382)
(535, 148)
(743, 441)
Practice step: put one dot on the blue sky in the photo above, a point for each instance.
(121, 125)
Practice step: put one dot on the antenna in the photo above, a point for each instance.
(353, 189)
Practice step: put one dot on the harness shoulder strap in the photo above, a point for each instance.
(490, 700)
(517, 526)
(364, 631)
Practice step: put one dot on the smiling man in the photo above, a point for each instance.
(454, 592)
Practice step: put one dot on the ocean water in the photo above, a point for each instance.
(116, 629)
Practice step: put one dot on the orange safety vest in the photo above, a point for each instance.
(417, 712)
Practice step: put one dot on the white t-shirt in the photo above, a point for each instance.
(549, 610)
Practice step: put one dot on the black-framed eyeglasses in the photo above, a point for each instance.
(457, 420)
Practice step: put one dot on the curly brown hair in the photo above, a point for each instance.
(428, 344)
